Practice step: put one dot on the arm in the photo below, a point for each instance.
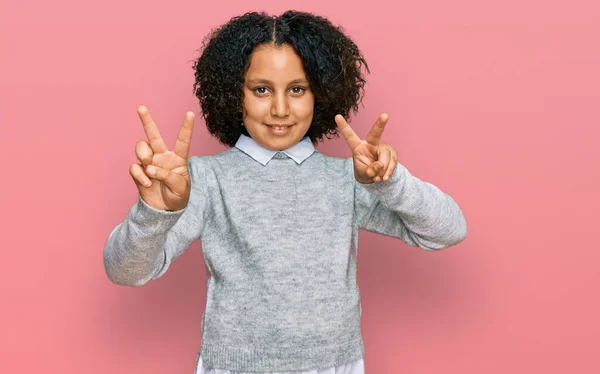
(142, 247)
(417, 212)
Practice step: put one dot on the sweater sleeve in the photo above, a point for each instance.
(142, 247)
(407, 208)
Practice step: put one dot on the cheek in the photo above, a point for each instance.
(304, 108)
(256, 108)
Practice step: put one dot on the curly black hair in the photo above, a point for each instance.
(331, 60)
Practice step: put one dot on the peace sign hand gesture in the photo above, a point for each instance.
(162, 176)
(373, 159)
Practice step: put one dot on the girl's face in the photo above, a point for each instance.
(277, 94)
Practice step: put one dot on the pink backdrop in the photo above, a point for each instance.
(494, 102)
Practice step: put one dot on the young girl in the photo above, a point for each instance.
(278, 220)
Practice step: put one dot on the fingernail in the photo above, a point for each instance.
(147, 183)
(151, 170)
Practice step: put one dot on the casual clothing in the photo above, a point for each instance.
(280, 241)
(299, 152)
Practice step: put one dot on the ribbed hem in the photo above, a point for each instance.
(148, 210)
(247, 359)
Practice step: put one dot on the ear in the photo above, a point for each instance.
(239, 116)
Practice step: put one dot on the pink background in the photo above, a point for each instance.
(495, 102)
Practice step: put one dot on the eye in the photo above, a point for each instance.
(298, 90)
(260, 91)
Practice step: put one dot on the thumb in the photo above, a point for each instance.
(175, 182)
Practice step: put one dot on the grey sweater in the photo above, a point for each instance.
(280, 244)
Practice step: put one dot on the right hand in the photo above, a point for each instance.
(169, 188)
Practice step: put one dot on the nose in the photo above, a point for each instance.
(280, 107)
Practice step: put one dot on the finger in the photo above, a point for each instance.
(374, 169)
(351, 138)
(156, 141)
(383, 159)
(383, 154)
(390, 169)
(364, 159)
(374, 135)
(143, 152)
(379, 170)
(139, 177)
(174, 182)
(182, 145)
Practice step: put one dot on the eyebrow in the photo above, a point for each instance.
(260, 80)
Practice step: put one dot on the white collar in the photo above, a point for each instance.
(298, 152)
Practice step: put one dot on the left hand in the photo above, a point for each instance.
(373, 159)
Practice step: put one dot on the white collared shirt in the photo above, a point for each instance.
(298, 152)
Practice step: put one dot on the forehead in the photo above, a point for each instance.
(275, 63)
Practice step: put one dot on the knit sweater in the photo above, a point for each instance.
(280, 244)
(298, 152)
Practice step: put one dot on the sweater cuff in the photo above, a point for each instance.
(383, 188)
(144, 213)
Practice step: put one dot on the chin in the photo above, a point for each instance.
(280, 144)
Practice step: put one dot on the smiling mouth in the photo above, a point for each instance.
(279, 127)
